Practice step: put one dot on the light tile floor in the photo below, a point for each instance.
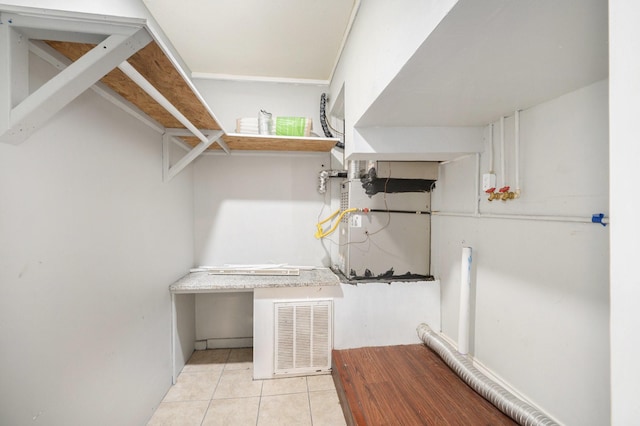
(216, 387)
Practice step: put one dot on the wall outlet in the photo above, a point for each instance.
(356, 221)
(488, 181)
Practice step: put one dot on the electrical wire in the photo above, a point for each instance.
(321, 233)
(334, 129)
(324, 204)
(323, 115)
(386, 206)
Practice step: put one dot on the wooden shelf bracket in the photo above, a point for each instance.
(60, 62)
(93, 52)
(171, 135)
(21, 112)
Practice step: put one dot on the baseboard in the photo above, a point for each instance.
(237, 342)
(493, 376)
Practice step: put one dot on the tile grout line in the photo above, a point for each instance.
(306, 379)
(280, 391)
(214, 389)
(259, 402)
(259, 399)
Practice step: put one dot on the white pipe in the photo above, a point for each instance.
(514, 407)
(465, 301)
(477, 185)
(577, 219)
(517, 152)
(491, 148)
(453, 160)
(503, 161)
(145, 85)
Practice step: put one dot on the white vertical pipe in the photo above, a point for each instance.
(491, 148)
(465, 302)
(503, 161)
(477, 185)
(516, 149)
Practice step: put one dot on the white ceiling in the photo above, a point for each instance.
(485, 59)
(276, 39)
(488, 58)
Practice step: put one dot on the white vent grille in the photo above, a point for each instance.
(302, 337)
(344, 205)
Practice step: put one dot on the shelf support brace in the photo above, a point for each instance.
(60, 62)
(169, 172)
(145, 85)
(20, 121)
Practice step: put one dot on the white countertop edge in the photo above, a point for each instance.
(203, 282)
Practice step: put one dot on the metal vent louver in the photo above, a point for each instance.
(344, 205)
(303, 337)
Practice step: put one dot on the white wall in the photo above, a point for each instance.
(383, 314)
(227, 317)
(185, 310)
(384, 36)
(258, 209)
(541, 302)
(91, 240)
(231, 100)
(625, 151)
(263, 209)
(255, 209)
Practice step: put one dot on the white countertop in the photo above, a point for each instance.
(205, 282)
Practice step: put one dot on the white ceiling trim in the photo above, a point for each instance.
(354, 13)
(312, 82)
(233, 77)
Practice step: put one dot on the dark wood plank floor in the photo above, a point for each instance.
(407, 385)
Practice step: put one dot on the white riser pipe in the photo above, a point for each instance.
(516, 150)
(503, 158)
(491, 148)
(465, 301)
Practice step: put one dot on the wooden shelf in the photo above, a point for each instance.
(131, 70)
(155, 66)
(243, 142)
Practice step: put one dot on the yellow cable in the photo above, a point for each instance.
(320, 233)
